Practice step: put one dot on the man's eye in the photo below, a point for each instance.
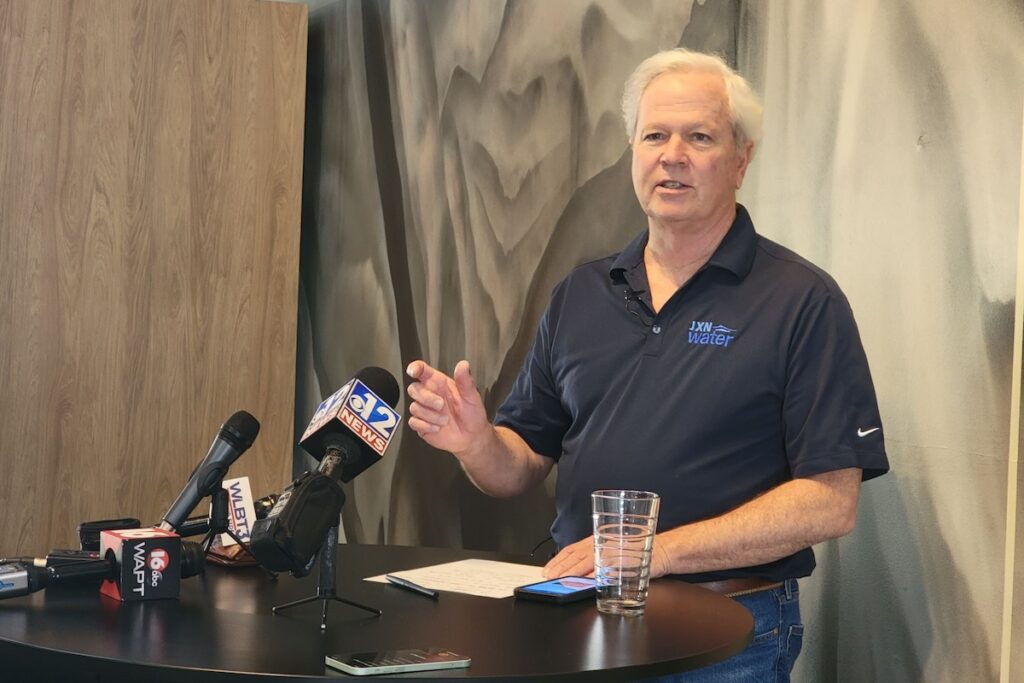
(654, 137)
(700, 137)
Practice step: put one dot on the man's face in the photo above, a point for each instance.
(686, 166)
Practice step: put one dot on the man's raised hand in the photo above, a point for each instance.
(448, 413)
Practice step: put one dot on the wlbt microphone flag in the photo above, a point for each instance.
(348, 433)
(241, 511)
(234, 438)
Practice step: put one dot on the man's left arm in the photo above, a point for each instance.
(794, 515)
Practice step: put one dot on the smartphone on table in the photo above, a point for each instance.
(562, 590)
(396, 661)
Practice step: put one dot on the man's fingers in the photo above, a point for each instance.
(427, 415)
(573, 560)
(424, 396)
(572, 566)
(421, 427)
(432, 387)
(554, 566)
(464, 381)
(415, 369)
(422, 372)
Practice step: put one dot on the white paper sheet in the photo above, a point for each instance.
(486, 578)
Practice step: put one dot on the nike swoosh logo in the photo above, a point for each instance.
(865, 432)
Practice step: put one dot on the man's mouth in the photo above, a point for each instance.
(672, 185)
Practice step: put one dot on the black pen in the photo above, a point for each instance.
(409, 585)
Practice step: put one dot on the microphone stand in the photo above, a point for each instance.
(219, 525)
(327, 581)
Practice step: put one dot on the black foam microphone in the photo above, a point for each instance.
(348, 433)
(234, 438)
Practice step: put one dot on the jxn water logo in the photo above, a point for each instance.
(707, 333)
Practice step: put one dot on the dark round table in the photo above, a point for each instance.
(222, 629)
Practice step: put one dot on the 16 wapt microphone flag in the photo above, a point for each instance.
(365, 413)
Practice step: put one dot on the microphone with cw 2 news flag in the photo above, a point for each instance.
(348, 433)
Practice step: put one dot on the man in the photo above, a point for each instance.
(703, 362)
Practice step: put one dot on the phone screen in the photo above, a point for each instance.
(567, 585)
(564, 589)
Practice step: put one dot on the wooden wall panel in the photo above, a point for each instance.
(150, 170)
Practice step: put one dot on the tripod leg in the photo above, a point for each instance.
(245, 546)
(326, 582)
(207, 541)
(295, 603)
(374, 610)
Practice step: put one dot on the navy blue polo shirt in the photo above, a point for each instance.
(750, 375)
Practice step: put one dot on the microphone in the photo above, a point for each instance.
(234, 438)
(30, 574)
(635, 305)
(348, 433)
(635, 297)
(356, 423)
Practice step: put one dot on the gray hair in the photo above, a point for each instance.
(745, 109)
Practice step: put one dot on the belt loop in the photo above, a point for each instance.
(790, 588)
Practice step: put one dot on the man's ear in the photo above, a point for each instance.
(743, 158)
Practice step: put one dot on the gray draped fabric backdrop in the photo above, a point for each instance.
(463, 155)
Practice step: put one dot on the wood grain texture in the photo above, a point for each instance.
(150, 169)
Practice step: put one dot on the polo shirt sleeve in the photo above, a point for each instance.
(829, 408)
(533, 409)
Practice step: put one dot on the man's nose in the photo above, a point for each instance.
(674, 151)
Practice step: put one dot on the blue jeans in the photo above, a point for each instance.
(778, 636)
